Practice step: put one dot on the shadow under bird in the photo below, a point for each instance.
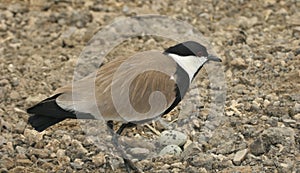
(150, 93)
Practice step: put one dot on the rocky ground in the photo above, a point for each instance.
(258, 41)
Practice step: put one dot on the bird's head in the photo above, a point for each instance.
(191, 48)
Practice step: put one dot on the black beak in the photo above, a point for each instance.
(213, 58)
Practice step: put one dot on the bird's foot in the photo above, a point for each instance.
(129, 165)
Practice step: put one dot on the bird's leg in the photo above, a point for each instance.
(128, 163)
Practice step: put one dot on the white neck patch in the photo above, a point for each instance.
(190, 64)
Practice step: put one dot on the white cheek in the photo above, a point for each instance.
(190, 64)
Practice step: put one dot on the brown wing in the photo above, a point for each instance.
(134, 89)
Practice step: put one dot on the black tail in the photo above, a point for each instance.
(40, 122)
(47, 113)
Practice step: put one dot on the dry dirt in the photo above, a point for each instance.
(258, 41)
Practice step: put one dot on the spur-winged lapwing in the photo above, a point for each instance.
(177, 67)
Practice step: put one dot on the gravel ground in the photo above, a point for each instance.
(258, 41)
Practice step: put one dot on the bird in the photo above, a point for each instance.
(131, 90)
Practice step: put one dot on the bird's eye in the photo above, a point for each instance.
(199, 54)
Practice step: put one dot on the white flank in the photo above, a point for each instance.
(190, 64)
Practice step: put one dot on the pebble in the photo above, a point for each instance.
(279, 135)
(203, 160)
(257, 147)
(53, 145)
(9, 148)
(17, 169)
(23, 162)
(20, 127)
(172, 137)
(33, 136)
(66, 139)
(139, 152)
(21, 150)
(4, 82)
(289, 122)
(297, 117)
(7, 162)
(14, 95)
(62, 158)
(18, 8)
(190, 150)
(171, 149)
(240, 156)
(297, 108)
(178, 165)
(60, 153)
(266, 103)
(21, 156)
(239, 63)
(77, 164)
(99, 159)
(77, 144)
(35, 99)
(40, 153)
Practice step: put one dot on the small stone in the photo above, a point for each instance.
(40, 153)
(18, 8)
(35, 99)
(66, 139)
(238, 169)
(279, 135)
(62, 158)
(9, 147)
(33, 136)
(17, 169)
(178, 165)
(139, 152)
(276, 103)
(10, 67)
(266, 103)
(203, 160)
(53, 145)
(20, 127)
(171, 150)
(21, 156)
(60, 153)
(240, 156)
(77, 144)
(77, 164)
(257, 147)
(125, 9)
(264, 118)
(4, 82)
(21, 150)
(229, 113)
(188, 142)
(255, 106)
(297, 108)
(172, 137)
(7, 162)
(14, 95)
(239, 63)
(272, 97)
(23, 162)
(289, 121)
(47, 166)
(14, 81)
(6, 125)
(99, 159)
(297, 117)
(3, 170)
(190, 150)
